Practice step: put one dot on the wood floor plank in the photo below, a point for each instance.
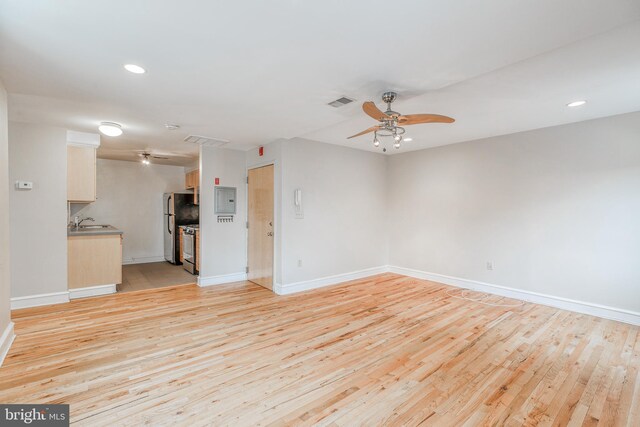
(389, 350)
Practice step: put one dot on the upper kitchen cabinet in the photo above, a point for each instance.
(191, 182)
(81, 174)
(81, 166)
(192, 179)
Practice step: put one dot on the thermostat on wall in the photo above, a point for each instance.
(24, 185)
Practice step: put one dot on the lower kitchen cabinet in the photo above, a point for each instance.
(198, 250)
(94, 260)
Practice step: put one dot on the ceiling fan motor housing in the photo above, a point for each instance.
(388, 98)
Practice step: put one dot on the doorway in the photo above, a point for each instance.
(260, 233)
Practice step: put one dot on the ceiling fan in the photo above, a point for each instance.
(392, 122)
(146, 157)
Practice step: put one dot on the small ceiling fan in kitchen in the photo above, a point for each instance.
(391, 123)
(146, 157)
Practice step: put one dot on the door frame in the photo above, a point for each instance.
(276, 216)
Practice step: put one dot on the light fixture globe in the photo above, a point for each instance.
(110, 129)
(576, 103)
(376, 142)
(135, 69)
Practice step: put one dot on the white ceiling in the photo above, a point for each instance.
(252, 72)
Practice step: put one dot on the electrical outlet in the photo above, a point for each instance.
(489, 265)
(299, 263)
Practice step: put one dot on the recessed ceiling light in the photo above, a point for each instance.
(408, 139)
(135, 69)
(110, 129)
(576, 103)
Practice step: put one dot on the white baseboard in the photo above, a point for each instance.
(38, 300)
(6, 339)
(219, 280)
(143, 260)
(592, 309)
(92, 291)
(306, 285)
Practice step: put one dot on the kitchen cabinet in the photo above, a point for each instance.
(81, 174)
(94, 260)
(181, 239)
(198, 250)
(192, 179)
(192, 182)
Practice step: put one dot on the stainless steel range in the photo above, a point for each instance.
(189, 248)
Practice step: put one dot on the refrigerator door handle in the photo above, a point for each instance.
(169, 223)
(169, 204)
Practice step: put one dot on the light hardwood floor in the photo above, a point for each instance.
(385, 350)
(136, 277)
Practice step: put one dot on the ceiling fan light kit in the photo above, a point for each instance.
(392, 123)
(147, 156)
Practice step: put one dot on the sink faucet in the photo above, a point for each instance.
(77, 221)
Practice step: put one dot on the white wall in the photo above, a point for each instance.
(129, 197)
(223, 248)
(38, 217)
(6, 327)
(344, 204)
(556, 210)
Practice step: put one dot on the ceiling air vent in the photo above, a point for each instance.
(206, 141)
(341, 102)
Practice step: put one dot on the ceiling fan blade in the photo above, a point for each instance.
(414, 119)
(162, 158)
(370, 108)
(371, 129)
(161, 153)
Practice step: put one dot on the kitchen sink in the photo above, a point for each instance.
(93, 226)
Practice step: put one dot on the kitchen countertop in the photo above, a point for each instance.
(109, 229)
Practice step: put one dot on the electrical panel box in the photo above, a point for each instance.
(225, 203)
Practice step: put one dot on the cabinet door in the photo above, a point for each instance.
(81, 174)
(181, 244)
(191, 179)
(94, 260)
(198, 250)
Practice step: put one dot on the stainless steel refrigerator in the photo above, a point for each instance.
(178, 210)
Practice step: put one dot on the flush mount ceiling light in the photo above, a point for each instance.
(110, 129)
(172, 126)
(391, 123)
(576, 103)
(135, 69)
